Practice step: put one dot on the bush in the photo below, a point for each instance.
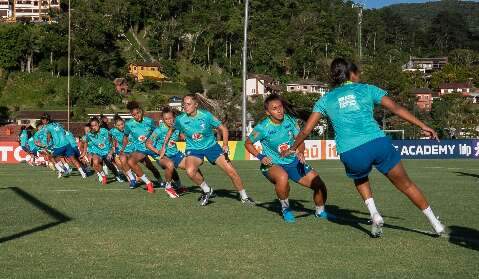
(194, 85)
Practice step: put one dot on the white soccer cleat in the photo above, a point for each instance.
(438, 227)
(60, 175)
(377, 225)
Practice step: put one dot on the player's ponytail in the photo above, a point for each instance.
(341, 70)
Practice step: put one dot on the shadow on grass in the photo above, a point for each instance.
(52, 212)
(460, 173)
(464, 237)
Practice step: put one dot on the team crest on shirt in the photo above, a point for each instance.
(283, 147)
(142, 138)
(101, 145)
(197, 136)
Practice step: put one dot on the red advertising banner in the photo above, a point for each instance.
(12, 153)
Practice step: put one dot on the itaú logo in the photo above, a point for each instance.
(11, 152)
(197, 136)
(142, 138)
(283, 147)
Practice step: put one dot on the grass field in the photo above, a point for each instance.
(73, 228)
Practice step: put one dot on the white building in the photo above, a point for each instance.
(6, 9)
(260, 85)
(447, 88)
(424, 65)
(34, 10)
(308, 87)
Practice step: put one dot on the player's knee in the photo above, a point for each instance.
(191, 172)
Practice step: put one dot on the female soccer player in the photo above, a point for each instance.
(361, 143)
(277, 133)
(61, 148)
(197, 125)
(98, 141)
(138, 129)
(173, 158)
(121, 159)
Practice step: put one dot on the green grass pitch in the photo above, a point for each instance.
(74, 228)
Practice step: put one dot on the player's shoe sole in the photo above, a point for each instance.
(171, 193)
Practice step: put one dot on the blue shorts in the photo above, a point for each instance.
(64, 151)
(212, 153)
(177, 158)
(76, 151)
(380, 153)
(34, 151)
(296, 170)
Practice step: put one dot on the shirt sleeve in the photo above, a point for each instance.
(154, 135)
(127, 130)
(177, 124)
(295, 124)
(257, 134)
(215, 122)
(320, 106)
(376, 93)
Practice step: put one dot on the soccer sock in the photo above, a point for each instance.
(319, 209)
(284, 204)
(59, 167)
(243, 194)
(130, 175)
(101, 174)
(105, 169)
(145, 179)
(82, 172)
(168, 185)
(205, 187)
(67, 166)
(371, 206)
(430, 216)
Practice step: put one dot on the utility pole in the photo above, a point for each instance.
(245, 51)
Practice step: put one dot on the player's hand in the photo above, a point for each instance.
(287, 152)
(429, 132)
(300, 156)
(267, 161)
(109, 156)
(226, 149)
(162, 153)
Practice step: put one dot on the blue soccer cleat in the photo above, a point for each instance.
(288, 216)
(325, 215)
(133, 184)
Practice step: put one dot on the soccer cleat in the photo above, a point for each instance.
(288, 216)
(325, 215)
(438, 227)
(181, 190)
(248, 201)
(133, 184)
(149, 187)
(377, 225)
(172, 193)
(60, 174)
(104, 180)
(119, 179)
(205, 197)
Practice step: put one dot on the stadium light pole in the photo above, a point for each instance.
(69, 54)
(245, 46)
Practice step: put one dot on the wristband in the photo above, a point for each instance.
(260, 156)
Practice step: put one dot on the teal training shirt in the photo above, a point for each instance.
(198, 129)
(275, 138)
(350, 108)
(99, 143)
(138, 132)
(57, 134)
(158, 138)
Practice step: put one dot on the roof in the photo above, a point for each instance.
(445, 59)
(54, 115)
(146, 64)
(266, 78)
(421, 91)
(308, 82)
(455, 85)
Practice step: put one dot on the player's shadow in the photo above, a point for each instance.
(58, 216)
(464, 237)
(460, 173)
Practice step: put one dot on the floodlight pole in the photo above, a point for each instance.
(69, 54)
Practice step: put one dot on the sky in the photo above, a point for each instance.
(373, 4)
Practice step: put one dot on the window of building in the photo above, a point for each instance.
(305, 87)
(134, 68)
(141, 68)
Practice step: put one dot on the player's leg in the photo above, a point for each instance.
(97, 163)
(320, 193)
(230, 170)
(169, 168)
(192, 165)
(133, 162)
(123, 158)
(151, 167)
(279, 177)
(398, 176)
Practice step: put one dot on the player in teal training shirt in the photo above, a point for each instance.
(56, 137)
(276, 133)
(197, 126)
(360, 141)
(137, 130)
(99, 145)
